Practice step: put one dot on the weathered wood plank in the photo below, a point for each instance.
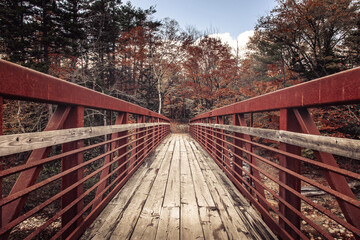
(133, 209)
(16, 143)
(169, 224)
(172, 192)
(190, 220)
(203, 196)
(139, 211)
(233, 224)
(255, 227)
(338, 146)
(213, 228)
(112, 215)
(212, 225)
(147, 224)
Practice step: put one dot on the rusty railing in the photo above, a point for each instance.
(266, 164)
(55, 182)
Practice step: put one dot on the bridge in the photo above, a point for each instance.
(131, 178)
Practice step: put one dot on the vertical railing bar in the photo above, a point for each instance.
(236, 122)
(74, 120)
(288, 122)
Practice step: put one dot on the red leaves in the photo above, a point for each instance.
(209, 71)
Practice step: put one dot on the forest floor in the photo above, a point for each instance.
(325, 200)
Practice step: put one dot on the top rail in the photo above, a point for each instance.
(17, 82)
(337, 89)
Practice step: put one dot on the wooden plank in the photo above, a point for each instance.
(255, 227)
(147, 224)
(16, 143)
(234, 226)
(338, 146)
(172, 192)
(211, 223)
(203, 196)
(112, 215)
(169, 224)
(133, 209)
(190, 219)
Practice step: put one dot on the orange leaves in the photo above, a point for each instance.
(62, 66)
(341, 121)
(132, 47)
(210, 70)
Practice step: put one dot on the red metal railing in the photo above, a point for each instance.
(271, 176)
(88, 165)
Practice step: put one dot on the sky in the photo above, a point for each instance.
(231, 20)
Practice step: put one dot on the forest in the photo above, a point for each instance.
(121, 50)
(118, 49)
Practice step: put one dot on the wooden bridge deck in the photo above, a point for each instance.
(179, 193)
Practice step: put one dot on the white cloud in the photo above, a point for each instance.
(239, 43)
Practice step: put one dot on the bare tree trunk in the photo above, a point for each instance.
(18, 117)
(160, 97)
(50, 111)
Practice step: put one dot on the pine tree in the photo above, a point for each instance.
(16, 29)
(72, 37)
(309, 34)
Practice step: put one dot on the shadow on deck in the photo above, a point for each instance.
(179, 193)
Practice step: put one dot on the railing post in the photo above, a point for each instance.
(219, 144)
(156, 130)
(123, 142)
(121, 119)
(209, 135)
(162, 127)
(195, 130)
(74, 120)
(288, 122)
(238, 152)
(336, 181)
(150, 134)
(140, 142)
(133, 156)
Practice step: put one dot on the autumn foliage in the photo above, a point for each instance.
(120, 50)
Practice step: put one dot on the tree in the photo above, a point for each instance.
(14, 31)
(71, 17)
(165, 55)
(307, 35)
(210, 73)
